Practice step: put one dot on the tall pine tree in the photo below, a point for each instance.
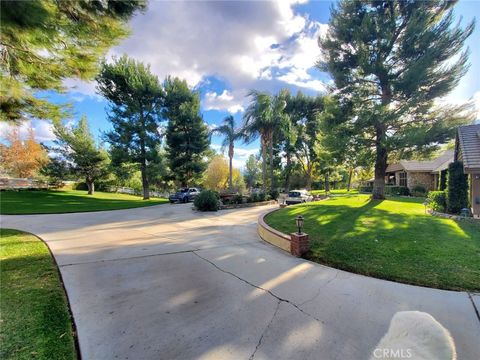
(78, 146)
(187, 135)
(46, 41)
(391, 60)
(136, 98)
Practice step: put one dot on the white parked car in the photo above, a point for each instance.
(298, 197)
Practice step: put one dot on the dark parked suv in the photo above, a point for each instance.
(184, 195)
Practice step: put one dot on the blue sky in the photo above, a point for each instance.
(224, 49)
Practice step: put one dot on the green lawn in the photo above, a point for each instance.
(35, 322)
(67, 201)
(391, 239)
(335, 192)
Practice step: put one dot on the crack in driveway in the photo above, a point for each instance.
(260, 288)
(265, 330)
(322, 287)
(474, 306)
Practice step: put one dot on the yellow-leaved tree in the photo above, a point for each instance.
(216, 176)
(22, 158)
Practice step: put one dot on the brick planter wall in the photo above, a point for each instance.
(295, 244)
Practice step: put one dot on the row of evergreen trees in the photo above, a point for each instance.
(142, 111)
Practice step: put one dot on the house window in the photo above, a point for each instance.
(403, 179)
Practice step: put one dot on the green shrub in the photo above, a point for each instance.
(274, 194)
(437, 200)
(442, 180)
(207, 200)
(237, 199)
(80, 186)
(396, 190)
(365, 189)
(403, 191)
(261, 197)
(457, 188)
(419, 190)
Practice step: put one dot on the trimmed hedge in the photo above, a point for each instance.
(207, 200)
(365, 189)
(457, 188)
(437, 200)
(397, 190)
(392, 190)
(419, 191)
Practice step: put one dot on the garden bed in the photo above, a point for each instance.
(247, 205)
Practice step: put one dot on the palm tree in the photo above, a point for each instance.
(263, 118)
(231, 134)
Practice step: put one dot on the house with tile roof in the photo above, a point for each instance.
(411, 173)
(467, 150)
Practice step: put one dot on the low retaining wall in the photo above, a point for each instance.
(453, 217)
(19, 184)
(271, 235)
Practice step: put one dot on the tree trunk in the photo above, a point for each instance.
(309, 182)
(380, 164)
(287, 174)
(143, 165)
(327, 182)
(264, 165)
(380, 146)
(349, 183)
(91, 187)
(145, 185)
(272, 181)
(230, 175)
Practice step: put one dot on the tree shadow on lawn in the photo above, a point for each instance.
(373, 239)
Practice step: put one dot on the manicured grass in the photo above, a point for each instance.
(35, 322)
(391, 239)
(335, 192)
(68, 201)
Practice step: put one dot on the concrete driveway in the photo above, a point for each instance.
(166, 282)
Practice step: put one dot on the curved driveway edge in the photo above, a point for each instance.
(169, 283)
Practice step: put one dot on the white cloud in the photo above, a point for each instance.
(43, 130)
(240, 154)
(79, 90)
(456, 98)
(308, 83)
(476, 101)
(239, 42)
(224, 101)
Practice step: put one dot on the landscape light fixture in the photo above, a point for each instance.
(425, 203)
(465, 212)
(299, 220)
